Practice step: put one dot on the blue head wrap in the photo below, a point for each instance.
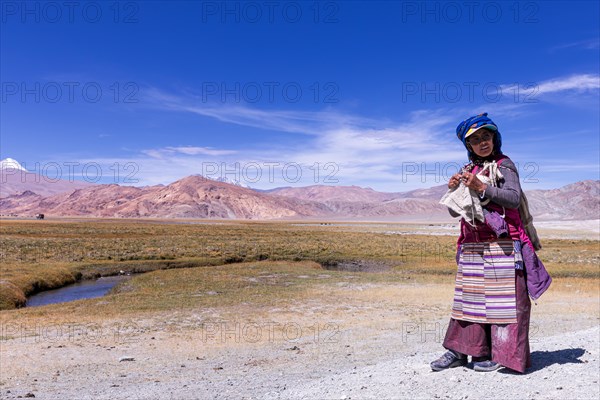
(470, 125)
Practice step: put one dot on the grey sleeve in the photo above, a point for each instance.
(508, 192)
(453, 213)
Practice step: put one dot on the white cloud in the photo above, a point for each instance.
(577, 83)
(390, 158)
(589, 44)
(359, 149)
(305, 122)
(338, 148)
(187, 150)
(574, 83)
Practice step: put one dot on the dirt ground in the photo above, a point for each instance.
(371, 341)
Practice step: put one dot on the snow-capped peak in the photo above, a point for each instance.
(11, 164)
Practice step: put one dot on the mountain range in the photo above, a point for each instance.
(23, 193)
(15, 179)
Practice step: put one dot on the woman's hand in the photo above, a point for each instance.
(454, 181)
(472, 182)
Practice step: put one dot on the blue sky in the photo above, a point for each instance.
(290, 93)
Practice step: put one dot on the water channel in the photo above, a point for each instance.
(85, 289)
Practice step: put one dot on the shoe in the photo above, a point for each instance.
(450, 359)
(486, 366)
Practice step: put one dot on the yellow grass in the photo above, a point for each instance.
(38, 255)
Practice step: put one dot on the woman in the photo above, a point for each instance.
(490, 313)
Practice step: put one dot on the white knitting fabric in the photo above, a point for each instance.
(494, 175)
(465, 201)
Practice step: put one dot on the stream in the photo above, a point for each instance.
(85, 289)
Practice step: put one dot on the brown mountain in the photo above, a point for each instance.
(577, 201)
(366, 203)
(16, 181)
(199, 197)
(327, 194)
(191, 197)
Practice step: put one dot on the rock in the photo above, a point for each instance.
(126, 358)
(30, 395)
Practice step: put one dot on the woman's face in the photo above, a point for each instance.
(482, 142)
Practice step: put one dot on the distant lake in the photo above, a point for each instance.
(86, 289)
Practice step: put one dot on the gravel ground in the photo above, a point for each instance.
(155, 362)
(564, 367)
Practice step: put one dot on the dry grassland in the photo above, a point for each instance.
(244, 265)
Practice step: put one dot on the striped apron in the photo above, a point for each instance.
(485, 283)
